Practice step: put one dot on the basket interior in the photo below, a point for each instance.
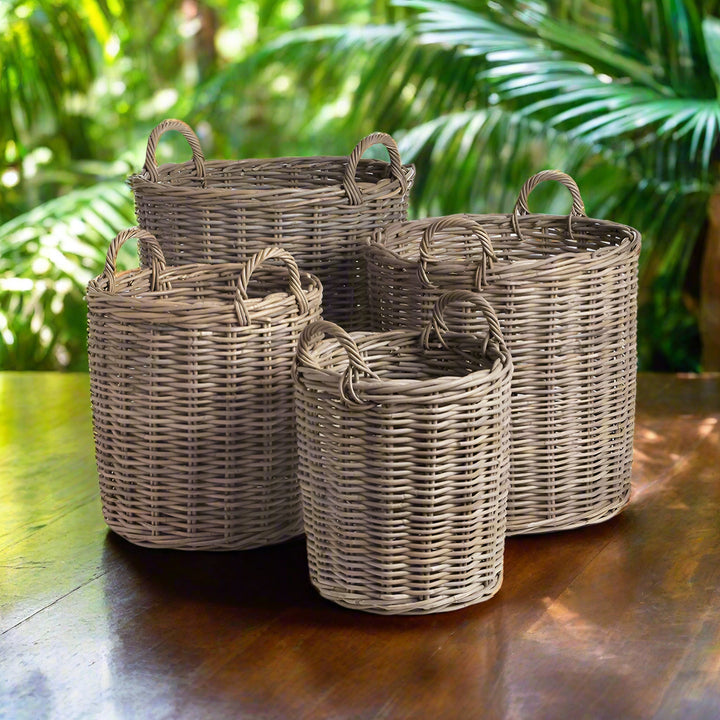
(543, 236)
(214, 285)
(399, 356)
(273, 173)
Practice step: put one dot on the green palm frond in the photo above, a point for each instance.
(476, 147)
(47, 257)
(47, 52)
(76, 226)
(595, 89)
(711, 35)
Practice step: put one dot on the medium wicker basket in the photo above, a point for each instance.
(321, 209)
(190, 376)
(565, 292)
(403, 461)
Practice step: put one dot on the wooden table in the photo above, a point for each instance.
(620, 620)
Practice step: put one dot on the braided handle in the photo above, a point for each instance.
(294, 281)
(153, 249)
(521, 206)
(456, 222)
(151, 167)
(437, 323)
(350, 183)
(312, 334)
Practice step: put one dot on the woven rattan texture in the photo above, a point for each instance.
(565, 293)
(321, 209)
(403, 466)
(192, 399)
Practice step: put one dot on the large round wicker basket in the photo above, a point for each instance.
(190, 375)
(565, 292)
(320, 209)
(403, 443)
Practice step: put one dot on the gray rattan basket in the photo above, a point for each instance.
(565, 292)
(403, 447)
(320, 209)
(190, 375)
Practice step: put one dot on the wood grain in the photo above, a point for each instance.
(619, 620)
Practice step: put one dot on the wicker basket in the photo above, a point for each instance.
(190, 375)
(321, 209)
(403, 462)
(565, 292)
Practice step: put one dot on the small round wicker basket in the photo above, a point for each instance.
(403, 442)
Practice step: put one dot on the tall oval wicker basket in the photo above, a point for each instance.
(403, 443)
(190, 376)
(321, 209)
(565, 292)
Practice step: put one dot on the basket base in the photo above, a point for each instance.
(427, 606)
(572, 521)
(208, 544)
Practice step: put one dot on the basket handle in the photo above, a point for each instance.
(459, 222)
(312, 334)
(151, 167)
(294, 282)
(350, 184)
(521, 206)
(437, 323)
(152, 246)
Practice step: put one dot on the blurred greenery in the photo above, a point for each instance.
(622, 94)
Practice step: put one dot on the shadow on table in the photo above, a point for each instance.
(247, 631)
(270, 578)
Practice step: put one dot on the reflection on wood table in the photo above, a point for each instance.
(620, 620)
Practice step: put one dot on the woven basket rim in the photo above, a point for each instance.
(142, 181)
(128, 296)
(382, 243)
(423, 390)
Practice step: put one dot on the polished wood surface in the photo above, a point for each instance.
(619, 620)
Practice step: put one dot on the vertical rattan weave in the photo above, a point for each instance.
(565, 292)
(190, 375)
(403, 461)
(320, 209)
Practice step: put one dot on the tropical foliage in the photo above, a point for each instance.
(622, 94)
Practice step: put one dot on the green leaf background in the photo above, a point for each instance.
(622, 94)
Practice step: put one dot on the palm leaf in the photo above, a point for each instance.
(559, 77)
(47, 257)
(46, 49)
(711, 36)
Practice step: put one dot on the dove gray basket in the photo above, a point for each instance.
(190, 376)
(403, 442)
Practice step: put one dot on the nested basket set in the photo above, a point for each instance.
(293, 355)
